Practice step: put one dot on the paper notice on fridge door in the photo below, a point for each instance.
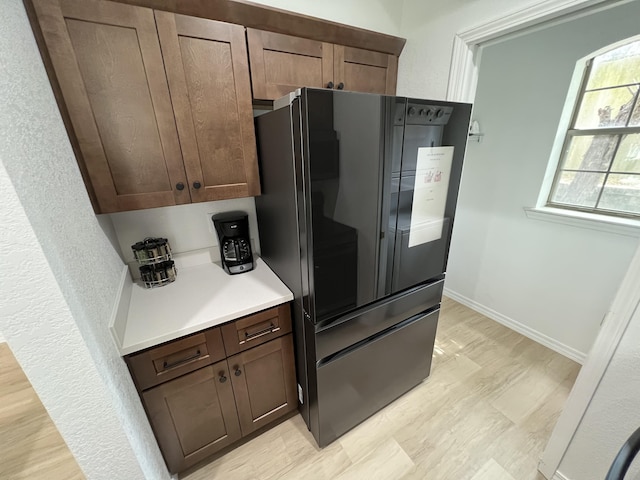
(433, 169)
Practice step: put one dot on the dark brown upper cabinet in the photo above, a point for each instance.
(282, 63)
(365, 71)
(208, 72)
(160, 105)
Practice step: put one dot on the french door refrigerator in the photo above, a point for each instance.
(359, 194)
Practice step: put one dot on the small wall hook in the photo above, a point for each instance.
(474, 132)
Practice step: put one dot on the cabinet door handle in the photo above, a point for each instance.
(179, 186)
(253, 336)
(238, 372)
(166, 365)
(341, 86)
(330, 85)
(222, 378)
(197, 185)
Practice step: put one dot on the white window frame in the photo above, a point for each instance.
(543, 211)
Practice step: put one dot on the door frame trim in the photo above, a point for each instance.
(463, 73)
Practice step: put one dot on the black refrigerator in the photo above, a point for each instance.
(358, 200)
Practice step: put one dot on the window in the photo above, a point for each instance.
(599, 168)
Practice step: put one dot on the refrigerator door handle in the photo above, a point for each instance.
(378, 336)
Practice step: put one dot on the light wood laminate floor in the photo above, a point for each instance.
(485, 413)
(30, 445)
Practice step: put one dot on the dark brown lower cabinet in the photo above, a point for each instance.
(264, 383)
(206, 391)
(194, 415)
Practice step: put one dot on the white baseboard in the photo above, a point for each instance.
(528, 332)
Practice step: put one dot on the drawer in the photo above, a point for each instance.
(166, 362)
(256, 329)
(365, 322)
(400, 356)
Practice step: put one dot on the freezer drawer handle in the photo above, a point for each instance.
(261, 333)
(166, 365)
(384, 333)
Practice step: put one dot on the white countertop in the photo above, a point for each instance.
(202, 296)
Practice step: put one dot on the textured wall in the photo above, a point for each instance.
(557, 280)
(430, 27)
(71, 360)
(612, 415)
(45, 339)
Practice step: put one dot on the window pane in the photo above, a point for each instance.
(635, 116)
(628, 155)
(616, 67)
(590, 152)
(580, 189)
(622, 193)
(606, 108)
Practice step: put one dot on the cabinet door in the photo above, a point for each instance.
(208, 72)
(365, 71)
(193, 416)
(282, 63)
(264, 383)
(107, 61)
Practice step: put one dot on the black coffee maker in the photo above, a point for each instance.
(235, 246)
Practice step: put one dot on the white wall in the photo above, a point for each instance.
(430, 27)
(553, 281)
(61, 276)
(378, 15)
(612, 415)
(46, 341)
(187, 227)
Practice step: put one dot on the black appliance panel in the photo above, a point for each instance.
(277, 208)
(362, 352)
(357, 383)
(429, 124)
(282, 225)
(353, 328)
(345, 152)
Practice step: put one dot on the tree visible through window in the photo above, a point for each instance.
(600, 166)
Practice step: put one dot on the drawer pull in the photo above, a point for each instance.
(261, 333)
(180, 362)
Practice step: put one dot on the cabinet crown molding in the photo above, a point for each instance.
(279, 21)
